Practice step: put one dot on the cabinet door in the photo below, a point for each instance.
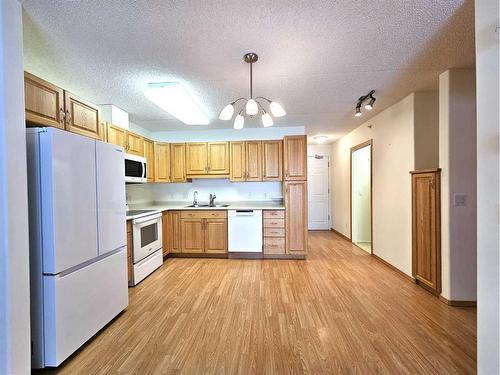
(295, 158)
(162, 162)
(296, 217)
(178, 162)
(43, 102)
(272, 164)
(218, 157)
(238, 161)
(196, 158)
(165, 219)
(215, 235)
(175, 235)
(135, 144)
(82, 117)
(116, 136)
(149, 154)
(192, 235)
(426, 252)
(254, 160)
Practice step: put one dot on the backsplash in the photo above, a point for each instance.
(226, 191)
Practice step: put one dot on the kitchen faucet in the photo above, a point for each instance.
(212, 199)
(195, 198)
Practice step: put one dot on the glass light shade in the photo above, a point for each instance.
(227, 112)
(277, 110)
(357, 114)
(251, 107)
(369, 107)
(267, 120)
(239, 121)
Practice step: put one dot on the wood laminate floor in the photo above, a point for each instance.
(339, 312)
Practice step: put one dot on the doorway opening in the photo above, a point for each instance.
(318, 196)
(361, 196)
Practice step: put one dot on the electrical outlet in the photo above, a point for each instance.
(459, 200)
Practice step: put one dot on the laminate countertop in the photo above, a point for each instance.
(174, 206)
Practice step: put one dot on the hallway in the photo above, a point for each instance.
(339, 311)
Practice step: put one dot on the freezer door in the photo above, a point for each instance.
(111, 204)
(79, 304)
(68, 199)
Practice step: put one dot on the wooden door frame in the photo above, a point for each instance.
(353, 149)
(328, 157)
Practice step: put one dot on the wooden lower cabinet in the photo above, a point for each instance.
(129, 252)
(165, 232)
(192, 234)
(215, 239)
(426, 226)
(296, 217)
(174, 234)
(203, 232)
(274, 232)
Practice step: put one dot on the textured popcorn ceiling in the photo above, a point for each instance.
(316, 57)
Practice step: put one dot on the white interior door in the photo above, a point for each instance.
(68, 178)
(361, 195)
(318, 172)
(111, 202)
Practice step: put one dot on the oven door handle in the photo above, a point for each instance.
(145, 219)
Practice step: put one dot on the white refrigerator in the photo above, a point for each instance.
(78, 255)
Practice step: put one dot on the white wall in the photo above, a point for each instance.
(426, 130)
(361, 223)
(488, 186)
(392, 132)
(15, 356)
(457, 159)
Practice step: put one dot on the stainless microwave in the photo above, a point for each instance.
(135, 169)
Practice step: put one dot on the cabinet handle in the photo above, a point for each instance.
(62, 115)
(68, 117)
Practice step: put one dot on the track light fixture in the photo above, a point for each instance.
(368, 106)
(252, 105)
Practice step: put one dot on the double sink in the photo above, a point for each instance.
(207, 205)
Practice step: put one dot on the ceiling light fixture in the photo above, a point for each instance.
(368, 106)
(252, 105)
(173, 98)
(321, 139)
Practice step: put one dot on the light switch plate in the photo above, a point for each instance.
(459, 200)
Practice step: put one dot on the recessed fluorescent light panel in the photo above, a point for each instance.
(173, 98)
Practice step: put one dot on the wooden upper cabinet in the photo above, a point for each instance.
(196, 158)
(174, 231)
(272, 160)
(44, 102)
(149, 154)
(237, 161)
(254, 160)
(82, 117)
(162, 162)
(177, 162)
(192, 235)
(116, 136)
(296, 217)
(295, 157)
(218, 158)
(135, 144)
(426, 226)
(215, 234)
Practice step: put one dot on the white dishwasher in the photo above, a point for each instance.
(244, 231)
